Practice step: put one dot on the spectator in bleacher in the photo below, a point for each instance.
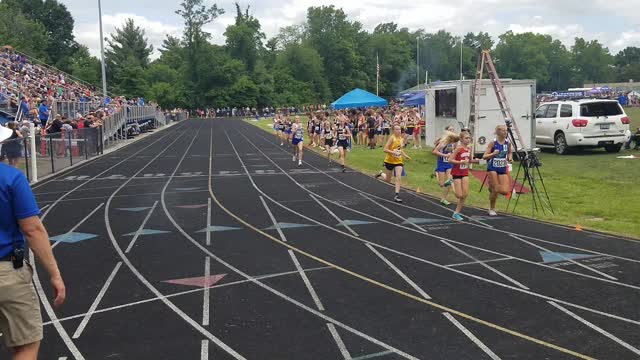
(24, 105)
(12, 147)
(43, 113)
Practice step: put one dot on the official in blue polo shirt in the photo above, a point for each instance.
(20, 320)
(43, 113)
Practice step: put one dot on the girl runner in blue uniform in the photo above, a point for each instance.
(297, 140)
(444, 146)
(287, 129)
(499, 156)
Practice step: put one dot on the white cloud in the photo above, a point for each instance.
(155, 31)
(614, 24)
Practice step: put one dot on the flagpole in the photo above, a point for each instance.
(377, 72)
(418, 61)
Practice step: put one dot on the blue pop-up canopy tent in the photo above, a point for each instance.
(417, 99)
(358, 98)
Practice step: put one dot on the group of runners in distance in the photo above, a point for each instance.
(336, 132)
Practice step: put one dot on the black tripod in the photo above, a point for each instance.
(529, 166)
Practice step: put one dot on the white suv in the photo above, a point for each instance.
(587, 123)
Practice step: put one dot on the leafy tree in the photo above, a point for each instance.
(392, 47)
(592, 61)
(304, 64)
(128, 43)
(524, 56)
(244, 38)
(159, 72)
(196, 16)
(131, 82)
(335, 37)
(57, 21)
(628, 64)
(23, 34)
(86, 67)
(290, 35)
(172, 52)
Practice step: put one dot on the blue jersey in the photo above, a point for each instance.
(443, 161)
(499, 162)
(299, 134)
(16, 203)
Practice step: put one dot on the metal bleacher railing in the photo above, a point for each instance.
(42, 154)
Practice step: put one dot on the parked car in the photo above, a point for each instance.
(585, 123)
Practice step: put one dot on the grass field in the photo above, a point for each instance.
(634, 115)
(591, 188)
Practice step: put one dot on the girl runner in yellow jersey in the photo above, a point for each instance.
(393, 161)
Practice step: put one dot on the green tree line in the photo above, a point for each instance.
(308, 63)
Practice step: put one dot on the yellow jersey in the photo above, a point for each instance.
(396, 144)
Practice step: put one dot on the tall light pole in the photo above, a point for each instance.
(461, 78)
(104, 71)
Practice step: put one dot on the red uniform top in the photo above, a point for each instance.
(463, 153)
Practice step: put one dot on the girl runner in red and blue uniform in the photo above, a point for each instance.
(461, 157)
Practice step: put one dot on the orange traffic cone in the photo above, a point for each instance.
(578, 227)
(419, 191)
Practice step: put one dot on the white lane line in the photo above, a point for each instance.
(528, 292)
(205, 300)
(208, 221)
(471, 337)
(304, 277)
(140, 228)
(62, 358)
(44, 207)
(338, 340)
(186, 292)
(141, 277)
(480, 261)
(306, 281)
(504, 276)
(204, 350)
(394, 213)
(273, 220)
(334, 215)
(565, 258)
(265, 286)
(77, 225)
(371, 356)
(64, 336)
(596, 328)
(448, 244)
(443, 238)
(399, 272)
(480, 224)
(96, 302)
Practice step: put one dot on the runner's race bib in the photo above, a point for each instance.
(499, 163)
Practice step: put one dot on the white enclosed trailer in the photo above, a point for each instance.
(449, 103)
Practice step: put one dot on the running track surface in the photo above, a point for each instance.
(205, 241)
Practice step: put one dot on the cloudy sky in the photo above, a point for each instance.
(616, 24)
